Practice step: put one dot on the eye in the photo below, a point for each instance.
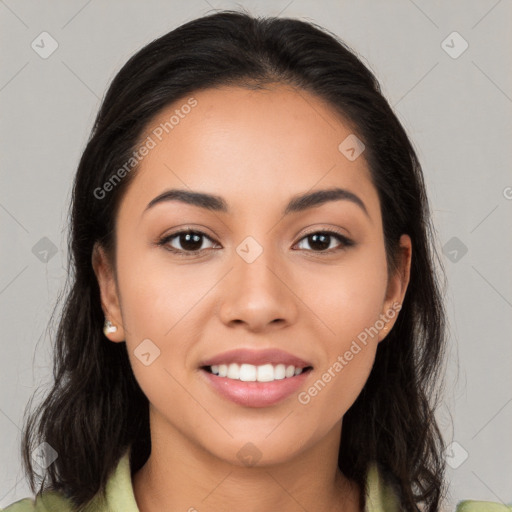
(190, 241)
(322, 241)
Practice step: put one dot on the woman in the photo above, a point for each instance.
(254, 319)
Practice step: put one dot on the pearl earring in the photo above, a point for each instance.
(109, 327)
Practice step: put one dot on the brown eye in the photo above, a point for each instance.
(188, 241)
(322, 241)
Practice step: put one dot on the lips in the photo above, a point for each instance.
(255, 394)
(256, 358)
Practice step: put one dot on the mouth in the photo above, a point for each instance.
(255, 373)
(255, 386)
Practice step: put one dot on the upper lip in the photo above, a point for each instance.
(256, 357)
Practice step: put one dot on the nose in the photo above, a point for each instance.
(259, 295)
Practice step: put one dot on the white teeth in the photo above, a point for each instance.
(250, 373)
(233, 371)
(279, 372)
(265, 373)
(247, 372)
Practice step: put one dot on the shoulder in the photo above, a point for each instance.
(49, 501)
(382, 495)
(482, 506)
(119, 496)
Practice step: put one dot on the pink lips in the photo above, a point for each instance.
(255, 394)
(256, 357)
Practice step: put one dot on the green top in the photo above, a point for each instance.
(120, 497)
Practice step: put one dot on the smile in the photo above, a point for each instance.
(252, 373)
(255, 393)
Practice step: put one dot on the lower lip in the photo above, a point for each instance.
(256, 394)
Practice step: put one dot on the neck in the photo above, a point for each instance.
(180, 475)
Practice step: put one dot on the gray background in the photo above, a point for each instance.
(456, 110)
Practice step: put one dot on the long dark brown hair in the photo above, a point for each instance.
(96, 410)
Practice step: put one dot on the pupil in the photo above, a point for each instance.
(324, 244)
(188, 244)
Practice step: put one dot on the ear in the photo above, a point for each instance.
(397, 286)
(108, 290)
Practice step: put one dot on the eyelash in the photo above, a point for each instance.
(345, 242)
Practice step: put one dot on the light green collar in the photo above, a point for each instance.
(379, 496)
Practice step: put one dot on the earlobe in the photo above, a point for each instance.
(102, 267)
(385, 331)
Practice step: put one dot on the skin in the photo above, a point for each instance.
(257, 149)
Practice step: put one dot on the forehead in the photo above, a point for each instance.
(249, 146)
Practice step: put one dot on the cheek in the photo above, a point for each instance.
(349, 302)
(156, 294)
(160, 303)
(336, 388)
(348, 298)
(338, 382)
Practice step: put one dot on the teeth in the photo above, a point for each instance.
(251, 373)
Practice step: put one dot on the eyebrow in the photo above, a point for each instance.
(298, 203)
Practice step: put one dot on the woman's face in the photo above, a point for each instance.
(256, 277)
